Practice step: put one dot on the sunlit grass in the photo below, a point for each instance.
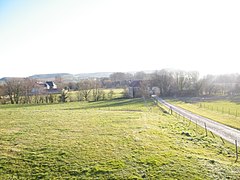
(117, 139)
(225, 112)
(116, 93)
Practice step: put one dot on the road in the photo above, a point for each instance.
(226, 132)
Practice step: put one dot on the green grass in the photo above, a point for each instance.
(117, 93)
(117, 139)
(225, 112)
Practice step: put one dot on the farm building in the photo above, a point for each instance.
(134, 89)
(155, 91)
(48, 87)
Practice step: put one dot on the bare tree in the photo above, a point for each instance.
(181, 80)
(2, 91)
(144, 89)
(13, 89)
(209, 85)
(27, 87)
(2, 94)
(110, 94)
(97, 91)
(120, 79)
(164, 80)
(85, 87)
(118, 76)
(140, 75)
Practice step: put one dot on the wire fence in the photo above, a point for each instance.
(208, 127)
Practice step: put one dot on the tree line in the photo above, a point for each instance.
(170, 83)
(27, 91)
(182, 83)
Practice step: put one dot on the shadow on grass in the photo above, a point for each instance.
(108, 103)
(12, 106)
(90, 105)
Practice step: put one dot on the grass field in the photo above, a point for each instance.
(117, 139)
(225, 112)
(116, 93)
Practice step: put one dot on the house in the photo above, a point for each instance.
(138, 88)
(48, 87)
(155, 91)
(134, 89)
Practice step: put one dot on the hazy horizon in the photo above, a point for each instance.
(131, 72)
(87, 36)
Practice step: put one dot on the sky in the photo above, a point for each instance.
(80, 36)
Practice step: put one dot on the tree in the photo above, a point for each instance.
(64, 95)
(2, 94)
(163, 80)
(110, 94)
(118, 76)
(13, 89)
(208, 84)
(120, 79)
(97, 92)
(27, 87)
(144, 89)
(181, 80)
(85, 87)
(140, 75)
(2, 91)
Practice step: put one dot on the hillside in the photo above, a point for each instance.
(65, 77)
(49, 76)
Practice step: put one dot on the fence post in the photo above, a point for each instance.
(212, 134)
(222, 140)
(236, 151)
(205, 128)
(196, 124)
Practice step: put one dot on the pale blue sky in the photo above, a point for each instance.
(75, 36)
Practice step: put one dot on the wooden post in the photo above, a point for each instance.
(222, 140)
(212, 134)
(190, 120)
(196, 125)
(236, 151)
(205, 128)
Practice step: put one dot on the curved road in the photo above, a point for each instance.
(227, 133)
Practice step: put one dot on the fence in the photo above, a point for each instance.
(223, 110)
(209, 126)
(178, 115)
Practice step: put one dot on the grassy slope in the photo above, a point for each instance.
(224, 112)
(118, 139)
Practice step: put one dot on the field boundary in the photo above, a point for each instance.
(229, 134)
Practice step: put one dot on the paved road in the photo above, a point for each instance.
(227, 133)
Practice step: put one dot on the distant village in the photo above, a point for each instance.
(54, 88)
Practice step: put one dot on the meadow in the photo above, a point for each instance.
(225, 112)
(113, 139)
